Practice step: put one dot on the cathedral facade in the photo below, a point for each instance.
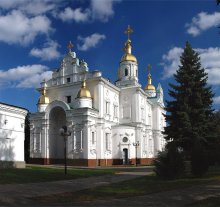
(109, 124)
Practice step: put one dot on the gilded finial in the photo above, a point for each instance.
(43, 91)
(149, 85)
(128, 31)
(149, 75)
(70, 46)
(84, 84)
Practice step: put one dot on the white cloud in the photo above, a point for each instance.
(38, 7)
(90, 41)
(203, 21)
(171, 61)
(216, 100)
(15, 27)
(100, 10)
(48, 52)
(21, 21)
(210, 60)
(11, 4)
(33, 7)
(210, 57)
(35, 80)
(78, 15)
(27, 76)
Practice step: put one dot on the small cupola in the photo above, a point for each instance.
(44, 100)
(84, 92)
(84, 98)
(150, 88)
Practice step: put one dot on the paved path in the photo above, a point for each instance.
(174, 198)
(18, 194)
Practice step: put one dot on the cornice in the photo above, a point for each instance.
(13, 109)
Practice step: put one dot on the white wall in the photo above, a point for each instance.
(118, 133)
(12, 124)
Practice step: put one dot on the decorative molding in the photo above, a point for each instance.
(13, 109)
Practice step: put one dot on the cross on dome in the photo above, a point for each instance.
(128, 31)
(70, 46)
(127, 48)
(148, 68)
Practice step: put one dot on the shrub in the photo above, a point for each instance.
(169, 164)
(199, 161)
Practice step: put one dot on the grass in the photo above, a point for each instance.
(136, 187)
(43, 174)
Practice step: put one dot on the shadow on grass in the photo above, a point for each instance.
(136, 187)
(43, 174)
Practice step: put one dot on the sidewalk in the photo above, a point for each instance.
(173, 198)
(18, 194)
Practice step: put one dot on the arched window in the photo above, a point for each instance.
(126, 72)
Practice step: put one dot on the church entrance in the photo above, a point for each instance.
(125, 156)
(57, 119)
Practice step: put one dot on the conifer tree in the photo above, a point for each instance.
(189, 113)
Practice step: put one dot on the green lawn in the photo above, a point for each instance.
(42, 174)
(136, 187)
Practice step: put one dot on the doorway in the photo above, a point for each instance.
(57, 119)
(125, 156)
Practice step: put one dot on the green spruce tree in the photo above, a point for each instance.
(214, 145)
(189, 113)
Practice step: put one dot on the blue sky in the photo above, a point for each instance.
(34, 35)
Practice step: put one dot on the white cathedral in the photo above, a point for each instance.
(110, 124)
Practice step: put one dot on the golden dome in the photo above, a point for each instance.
(128, 57)
(84, 92)
(127, 49)
(149, 85)
(44, 99)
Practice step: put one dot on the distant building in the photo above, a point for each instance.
(106, 120)
(12, 125)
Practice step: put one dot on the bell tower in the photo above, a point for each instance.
(128, 67)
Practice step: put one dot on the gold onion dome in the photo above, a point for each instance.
(44, 99)
(127, 49)
(84, 92)
(149, 85)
